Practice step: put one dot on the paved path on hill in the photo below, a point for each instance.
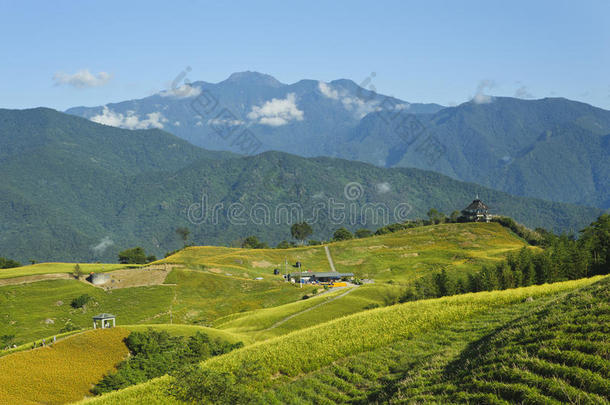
(275, 325)
(330, 259)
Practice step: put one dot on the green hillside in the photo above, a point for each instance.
(215, 282)
(351, 344)
(552, 148)
(361, 345)
(74, 190)
(36, 310)
(401, 256)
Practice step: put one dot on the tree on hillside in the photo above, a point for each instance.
(301, 231)
(442, 283)
(285, 245)
(184, 233)
(77, 272)
(252, 242)
(8, 263)
(455, 215)
(342, 234)
(436, 217)
(363, 233)
(596, 239)
(133, 256)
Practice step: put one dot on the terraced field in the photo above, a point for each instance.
(384, 331)
(552, 349)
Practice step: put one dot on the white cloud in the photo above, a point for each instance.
(221, 121)
(523, 92)
(82, 79)
(357, 105)
(129, 120)
(383, 188)
(404, 106)
(480, 97)
(104, 244)
(328, 91)
(277, 112)
(184, 91)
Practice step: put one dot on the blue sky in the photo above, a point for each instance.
(432, 51)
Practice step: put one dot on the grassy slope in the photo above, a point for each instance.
(556, 345)
(203, 296)
(53, 268)
(260, 324)
(63, 372)
(359, 333)
(189, 330)
(400, 256)
(45, 374)
(32, 311)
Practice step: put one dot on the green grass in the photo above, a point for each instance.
(552, 349)
(202, 297)
(261, 324)
(54, 268)
(32, 311)
(402, 256)
(257, 320)
(218, 281)
(326, 344)
(35, 310)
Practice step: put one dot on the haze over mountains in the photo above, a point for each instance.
(551, 148)
(73, 189)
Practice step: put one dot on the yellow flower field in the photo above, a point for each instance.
(63, 372)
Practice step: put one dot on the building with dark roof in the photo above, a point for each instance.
(319, 277)
(477, 211)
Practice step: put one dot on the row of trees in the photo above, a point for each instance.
(564, 258)
(8, 263)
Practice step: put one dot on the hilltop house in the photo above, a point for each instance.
(477, 211)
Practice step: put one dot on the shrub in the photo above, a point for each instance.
(342, 234)
(8, 263)
(68, 327)
(154, 354)
(133, 256)
(363, 233)
(81, 301)
(252, 242)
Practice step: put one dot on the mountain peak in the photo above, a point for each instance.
(256, 78)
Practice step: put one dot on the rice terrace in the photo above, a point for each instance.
(412, 208)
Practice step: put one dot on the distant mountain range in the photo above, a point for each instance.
(75, 190)
(552, 148)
